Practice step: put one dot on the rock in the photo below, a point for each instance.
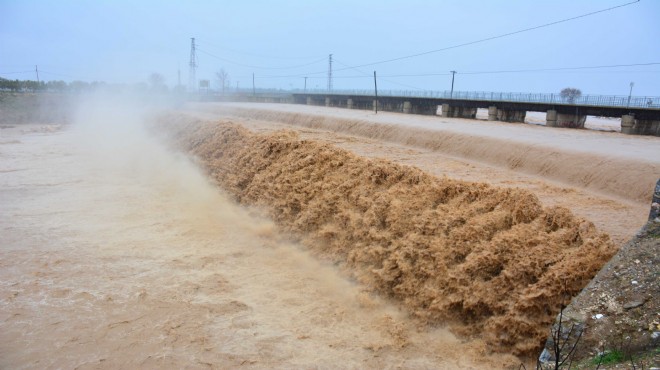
(654, 214)
(546, 356)
(633, 304)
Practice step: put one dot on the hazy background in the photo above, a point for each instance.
(126, 41)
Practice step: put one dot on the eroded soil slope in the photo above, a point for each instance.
(494, 262)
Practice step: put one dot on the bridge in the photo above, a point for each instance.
(639, 115)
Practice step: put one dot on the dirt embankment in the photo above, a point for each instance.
(493, 262)
(620, 177)
(617, 313)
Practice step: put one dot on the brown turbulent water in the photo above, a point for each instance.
(601, 176)
(492, 260)
(118, 252)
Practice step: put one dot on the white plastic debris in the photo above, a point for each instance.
(597, 316)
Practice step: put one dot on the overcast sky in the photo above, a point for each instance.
(126, 41)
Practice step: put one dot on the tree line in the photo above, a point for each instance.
(49, 86)
(155, 84)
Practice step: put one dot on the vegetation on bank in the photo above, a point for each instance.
(155, 83)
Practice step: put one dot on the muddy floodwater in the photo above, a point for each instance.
(119, 249)
(605, 177)
(118, 253)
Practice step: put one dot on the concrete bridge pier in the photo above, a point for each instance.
(309, 100)
(554, 119)
(627, 124)
(349, 104)
(389, 106)
(492, 113)
(425, 109)
(632, 126)
(464, 112)
(509, 115)
(551, 118)
(647, 127)
(571, 120)
(457, 112)
(363, 104)
(407, 107)
(327, 102)
(375, 106)
(445, 110)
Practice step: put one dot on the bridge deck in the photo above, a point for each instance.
(644, 113)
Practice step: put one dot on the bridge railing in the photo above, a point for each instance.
(594, 100)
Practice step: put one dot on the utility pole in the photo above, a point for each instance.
(305, 90)
(36, 69)
(330, 72)
(630, 93)
(192, 80)
(451, 94)
(178, 71)
(254, 93)
(376, 94)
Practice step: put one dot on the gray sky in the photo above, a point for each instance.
(125, 41)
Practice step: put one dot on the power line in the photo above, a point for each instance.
(259, 67)
(533, 70)
(383, 79)
(41, 71)
(498, 36)
(16, 72)
(479, 40)
(259, 55)
(563, 68)
(56, 74)
(557, 69)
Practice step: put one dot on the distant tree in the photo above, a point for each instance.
(79, 86)
(223, 79)
(30, 85)
(6, 84)
(57, 86)
(15, 85)
(570, 94)
(157, 82)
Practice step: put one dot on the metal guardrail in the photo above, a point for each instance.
(593, 100)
